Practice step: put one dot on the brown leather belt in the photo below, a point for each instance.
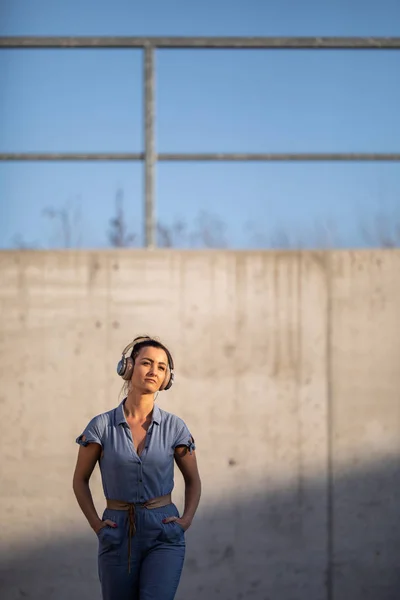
(131, 508)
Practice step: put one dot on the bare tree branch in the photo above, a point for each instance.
(210, 231)
(118, 235)
(383, 232)
(68, 219)
(172, 236)
(21, 244)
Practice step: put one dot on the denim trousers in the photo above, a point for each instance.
(146, 566)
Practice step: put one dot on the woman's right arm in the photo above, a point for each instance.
(86, 462)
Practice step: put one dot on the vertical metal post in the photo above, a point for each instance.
(149, 148)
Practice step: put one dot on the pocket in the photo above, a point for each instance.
(171, 532)
(109, 541)
(100, 532)
(179, 525)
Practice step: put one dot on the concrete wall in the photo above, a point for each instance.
(288, 374)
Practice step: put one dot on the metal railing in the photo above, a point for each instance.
(149, 156)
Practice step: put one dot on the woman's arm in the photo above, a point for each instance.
(187, 464)
(86, 462)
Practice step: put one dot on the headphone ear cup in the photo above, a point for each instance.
(168, 381)
(125, 368)
(128, 369)
(121, 366)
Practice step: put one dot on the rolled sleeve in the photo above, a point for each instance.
(92, 434)
(185, 438)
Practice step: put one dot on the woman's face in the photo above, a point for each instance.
(149, 370)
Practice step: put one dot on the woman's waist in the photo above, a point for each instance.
(151, 503)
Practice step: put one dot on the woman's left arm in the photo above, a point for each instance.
(187, 465)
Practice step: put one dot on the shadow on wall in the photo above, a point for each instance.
(289, 544)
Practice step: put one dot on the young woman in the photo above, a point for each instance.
(141, 535)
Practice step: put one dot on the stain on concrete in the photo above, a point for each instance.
(191, 564)
(229, 350)
(93, 268)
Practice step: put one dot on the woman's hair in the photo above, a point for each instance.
(153, 343)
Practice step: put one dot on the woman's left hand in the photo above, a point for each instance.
(181, 522)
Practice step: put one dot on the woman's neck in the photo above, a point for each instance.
(138, 406)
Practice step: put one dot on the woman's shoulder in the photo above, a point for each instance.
(171, 419)
(104, 419)
(178, 428)
(97, 428)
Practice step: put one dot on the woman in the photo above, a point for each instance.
(141, 535)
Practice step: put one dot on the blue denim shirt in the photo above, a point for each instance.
(125, 475)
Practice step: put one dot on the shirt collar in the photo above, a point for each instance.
(120, 415)
(156, 414)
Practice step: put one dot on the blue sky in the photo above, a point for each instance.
(214, 100)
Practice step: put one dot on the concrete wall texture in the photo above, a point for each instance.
(287, 373)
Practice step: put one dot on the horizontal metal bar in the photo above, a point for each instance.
(282, 156)
(65, 156)
(201, 157)
(298, 43)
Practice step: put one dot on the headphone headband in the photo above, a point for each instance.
(136, 341)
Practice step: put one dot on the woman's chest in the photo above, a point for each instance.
(132, 444)
(138, 434)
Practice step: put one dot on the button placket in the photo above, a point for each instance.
(147, 441)
(129, 434)
(141, 494)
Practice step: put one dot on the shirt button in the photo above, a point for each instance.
(140, 480)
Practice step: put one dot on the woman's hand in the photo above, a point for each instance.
(103, 524)
(182, 522)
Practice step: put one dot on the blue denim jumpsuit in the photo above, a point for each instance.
(148, 565)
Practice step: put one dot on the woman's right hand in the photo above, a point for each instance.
(104, 524)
